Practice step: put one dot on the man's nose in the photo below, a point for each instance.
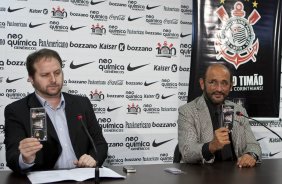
(53, 78)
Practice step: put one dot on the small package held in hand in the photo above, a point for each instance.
(38, 123)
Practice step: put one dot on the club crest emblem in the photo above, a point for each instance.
(236, 42)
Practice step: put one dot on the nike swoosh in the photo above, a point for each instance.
(129, 68)
(73, 66)
(260, 138)
(165, 97)
(94, 3)
(182, 35)
(160, 143)
(13, 10)
(132, 19)
(13, 80)
(110, 110)
(272, 154)
(150, 83)
(151, 7)
(35, 25)
(75, 28)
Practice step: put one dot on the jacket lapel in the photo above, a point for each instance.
(71, 116)
(205, 118)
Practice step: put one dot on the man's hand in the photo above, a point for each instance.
(221, 138)
(85, 161)
(246, 161)
(28, 148)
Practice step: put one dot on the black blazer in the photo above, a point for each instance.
(17, 127)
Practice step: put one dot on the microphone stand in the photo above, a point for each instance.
(241, 114)
(97, 171)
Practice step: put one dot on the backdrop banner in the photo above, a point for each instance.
(246, 36)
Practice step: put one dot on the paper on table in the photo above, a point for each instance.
(77, 174)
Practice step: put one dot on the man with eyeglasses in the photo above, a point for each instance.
(201, 138)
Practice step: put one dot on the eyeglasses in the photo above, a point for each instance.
(215, 83)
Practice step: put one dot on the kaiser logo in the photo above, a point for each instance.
(96, 96)
(133, 109)
(98, 30)
(166, 50)
(236, 42)
(121, 47)
(59, 13)
(174, 68)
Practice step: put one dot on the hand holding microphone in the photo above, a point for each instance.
(221, 138)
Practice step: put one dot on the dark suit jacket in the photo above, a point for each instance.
(17, 127)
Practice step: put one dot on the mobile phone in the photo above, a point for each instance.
(129, 169)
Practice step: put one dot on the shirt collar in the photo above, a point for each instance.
(45, 103)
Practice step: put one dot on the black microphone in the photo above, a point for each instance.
(97, 172)
(241, 114)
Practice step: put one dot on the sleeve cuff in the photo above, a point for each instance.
(207, 155)
(23, 165)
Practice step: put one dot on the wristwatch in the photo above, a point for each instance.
(253, 155)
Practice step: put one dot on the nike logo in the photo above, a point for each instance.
(94, 3)
(110, 110)
(13, 80)
(35, 25)
(132, 19)
(182, 35)
(75, 28)
(73, 66)
(272, 154)
(151, 7)
(129, 68)
(260, 138)
(150, 83)
(165, 97)
(13, 10)
(159, 143)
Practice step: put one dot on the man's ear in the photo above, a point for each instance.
(202, 83)
(30, 79)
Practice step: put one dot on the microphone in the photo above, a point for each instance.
(97, 172)
(241, 114)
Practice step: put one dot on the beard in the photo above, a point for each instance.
(51, 90)
(215, 97)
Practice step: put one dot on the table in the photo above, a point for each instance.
(269, 172)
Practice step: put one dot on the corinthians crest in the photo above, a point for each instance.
(236, 42)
